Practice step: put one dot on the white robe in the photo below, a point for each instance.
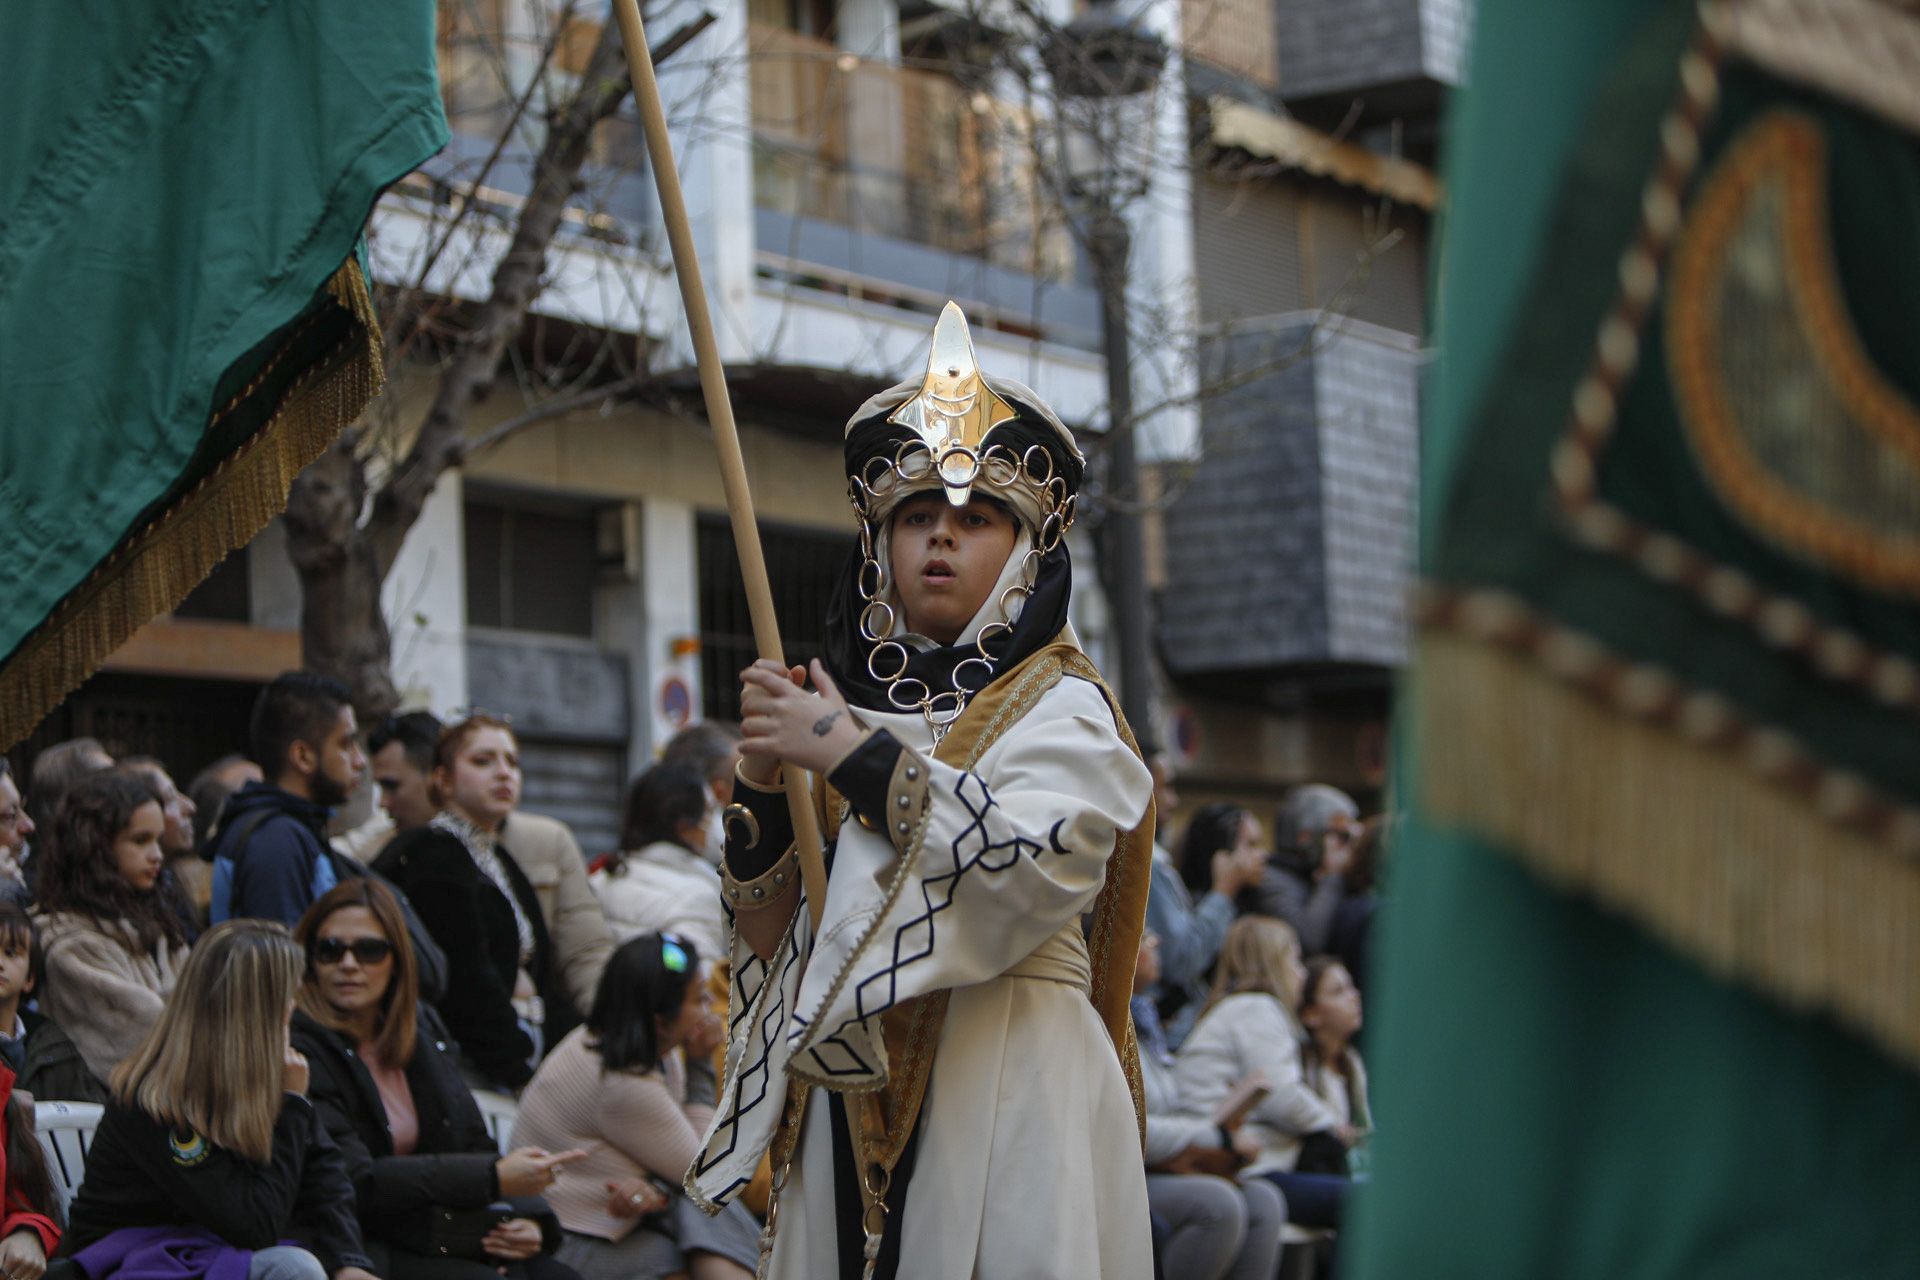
(1029, 1164)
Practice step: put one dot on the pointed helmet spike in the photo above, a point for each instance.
(955, 408)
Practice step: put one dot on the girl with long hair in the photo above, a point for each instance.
(113, 937)
(634, 1086)
(209, 1155)
(662, 878)
(389, 1092)
(1250, 1025)
(480, 907)
(1330, 1014)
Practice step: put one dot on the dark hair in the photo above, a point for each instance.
(1313, 1061)
(636, 989)
(28, 1182)
(709, 747)
(417, 732)
(54, 772)
(662, 799)
(209, 793)
(17, 929)
(298, 706)
(1212, 828)
(79, 876)
(394, 1041)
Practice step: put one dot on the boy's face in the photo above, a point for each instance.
(945, 559)
(14, 966)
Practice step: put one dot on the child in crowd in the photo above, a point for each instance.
(27, 1231)
(437, 1200)
(634, 1087)
(1330, 1012)
(209, 1155)
(46, 1065)
(113, 934)
(19, 970)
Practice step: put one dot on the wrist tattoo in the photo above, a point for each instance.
(824, 724)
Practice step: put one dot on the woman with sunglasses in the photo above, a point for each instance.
(425, 1171)
(634, 1086)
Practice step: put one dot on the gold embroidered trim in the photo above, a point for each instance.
(1739, 868)
(1779, 620)
(1776, 171)
(155, 568)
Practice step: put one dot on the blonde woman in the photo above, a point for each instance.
(209, 1154)
(1249, 1025)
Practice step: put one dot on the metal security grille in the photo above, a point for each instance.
(803, 565)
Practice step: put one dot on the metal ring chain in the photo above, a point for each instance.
(996, 468)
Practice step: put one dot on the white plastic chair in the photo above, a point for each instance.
(65, 1130)
(500, 1112)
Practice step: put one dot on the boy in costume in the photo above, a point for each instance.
(944, 1074)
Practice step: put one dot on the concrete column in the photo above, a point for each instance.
(425, 601)
(666, 663)
(1162, 292)
(709, 106)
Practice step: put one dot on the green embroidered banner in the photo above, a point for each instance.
(182, 321)
(1650, 978)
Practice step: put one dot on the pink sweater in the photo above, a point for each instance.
(631, 1125)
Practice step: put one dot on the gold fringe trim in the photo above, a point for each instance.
(154, 569)
(1745, 877)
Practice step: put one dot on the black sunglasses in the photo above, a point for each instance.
(366, 950)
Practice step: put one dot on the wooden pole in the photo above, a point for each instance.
(726, 437)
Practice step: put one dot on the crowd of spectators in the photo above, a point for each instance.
(1248, 1002)
(286, 1023)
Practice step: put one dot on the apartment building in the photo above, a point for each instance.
(848, 169)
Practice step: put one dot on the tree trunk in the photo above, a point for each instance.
(341, 559)
(343, 631)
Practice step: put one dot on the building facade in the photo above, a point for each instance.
(848, 169)
(1287, 544)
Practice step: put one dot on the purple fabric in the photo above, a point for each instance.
(163, 1253)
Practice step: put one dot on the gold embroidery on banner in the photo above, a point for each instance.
(1798, 433)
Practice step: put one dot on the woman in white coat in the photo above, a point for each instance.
(941, 1067)
(1250, 1025)
(661, 880)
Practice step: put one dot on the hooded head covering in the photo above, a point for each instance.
(967, 434)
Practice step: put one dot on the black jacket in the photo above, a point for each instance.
(52, 1068)
(470, 919)
(140, 1175)
(453, 1165)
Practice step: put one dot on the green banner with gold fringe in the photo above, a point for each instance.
(1651, 1003)
(183, 321)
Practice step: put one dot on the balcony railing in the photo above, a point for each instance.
(902, 153)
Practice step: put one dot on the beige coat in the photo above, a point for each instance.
(549, 857)
(99, 989)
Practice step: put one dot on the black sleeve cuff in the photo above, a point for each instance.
(753, 847)
(865, 776)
